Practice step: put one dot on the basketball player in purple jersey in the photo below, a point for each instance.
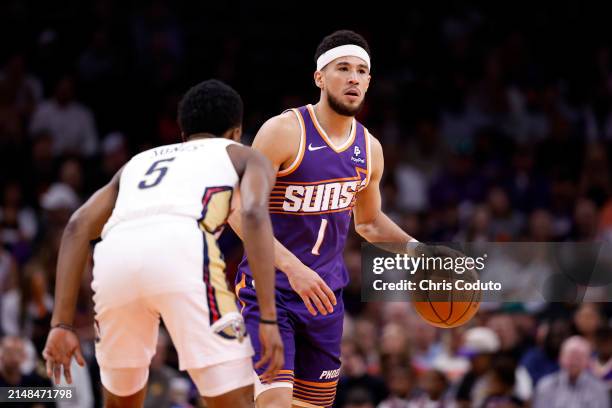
(328, 167)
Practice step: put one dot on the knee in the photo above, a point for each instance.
(272, 404)
(276, 398)
(123, 387)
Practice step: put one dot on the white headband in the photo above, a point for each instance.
(342, 51)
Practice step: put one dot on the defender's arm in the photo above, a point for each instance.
(279, 140)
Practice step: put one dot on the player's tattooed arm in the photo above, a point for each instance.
(84, 226)
(370, 221)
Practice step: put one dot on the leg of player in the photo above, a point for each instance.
(240, 398)
(114, 401)
(302, 404)
(123, 382)
(227, 384)
(280, 397)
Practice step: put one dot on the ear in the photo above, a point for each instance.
(368, 83)
(234, 134)
(319, 80)
(237, 134)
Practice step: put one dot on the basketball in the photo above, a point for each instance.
(447, 314)
(446, 299)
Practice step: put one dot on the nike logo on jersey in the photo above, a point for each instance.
(312, 149)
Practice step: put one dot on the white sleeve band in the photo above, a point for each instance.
(348, 50)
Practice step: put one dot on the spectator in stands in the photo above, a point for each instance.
(501, 383)
(26, 310)
(587, 320)
(479, 344)
(12, 357)
(19, 221)
(573, 386)
(402, 382)
(27, 88)
(542, 359)
(434, 385)
(8, 269)
(506, 223)
(70, 123)
(601, 362)
(354, 376)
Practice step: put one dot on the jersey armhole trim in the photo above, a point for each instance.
(300, 155)
(368, 155)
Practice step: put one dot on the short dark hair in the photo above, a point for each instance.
(210, 107)
(338, 38)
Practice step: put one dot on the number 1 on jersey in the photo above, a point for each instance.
(317, 245)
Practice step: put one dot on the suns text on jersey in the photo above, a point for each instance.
(320, 197)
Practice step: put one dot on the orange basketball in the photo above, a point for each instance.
(447, 314)
(441, 303)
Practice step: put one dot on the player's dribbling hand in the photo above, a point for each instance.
(61, 345)
(312, 289)
(271, 351)
(437, 251)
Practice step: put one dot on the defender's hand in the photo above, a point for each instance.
(61, 345)
(312, 289)
(271, 351)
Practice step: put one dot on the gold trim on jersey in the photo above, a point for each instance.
(338, 149)
(241, 285)
(368, 137)
(225, 300)
(217, 209)
(300, 155)
(216, 203)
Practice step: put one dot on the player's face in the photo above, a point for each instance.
(345, 82)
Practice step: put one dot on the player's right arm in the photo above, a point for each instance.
(279, 141)
(84, 226)
(256, 182)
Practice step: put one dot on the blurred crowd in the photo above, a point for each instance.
(496, 126)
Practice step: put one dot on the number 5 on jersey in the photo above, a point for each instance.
(161, 173)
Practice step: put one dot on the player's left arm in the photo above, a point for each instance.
(374, 225)
(370, 221)
(84, 226)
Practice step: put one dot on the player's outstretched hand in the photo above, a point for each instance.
(271, 351)
(61, 345)
(312, 289)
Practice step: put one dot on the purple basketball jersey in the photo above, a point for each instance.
(311, 203)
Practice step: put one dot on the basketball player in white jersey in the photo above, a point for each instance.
(159, 218)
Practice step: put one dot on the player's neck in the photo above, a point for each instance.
(197, 136)
(335, 125)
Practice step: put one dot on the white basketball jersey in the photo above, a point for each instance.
(194, 179)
